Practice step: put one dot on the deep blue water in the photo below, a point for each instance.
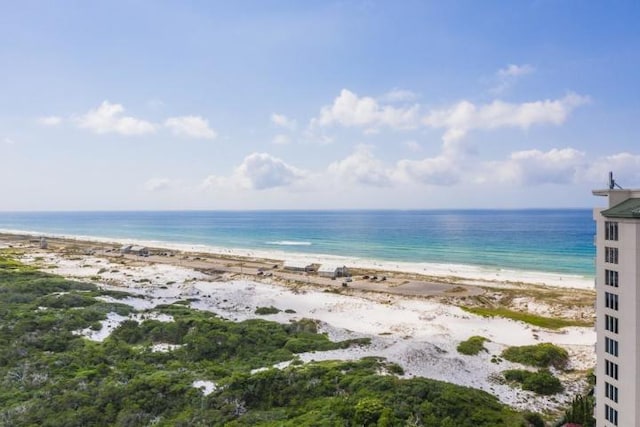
(539, 240)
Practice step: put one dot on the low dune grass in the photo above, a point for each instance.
(532, 319)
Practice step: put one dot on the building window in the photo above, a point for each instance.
(611, 255)
(611, 369)
(611, 392)
(611, 301)
(611, 323)
(610, 230)
(611, 278)
(611, 415)
(611, 346)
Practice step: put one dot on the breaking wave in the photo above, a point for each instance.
(288, 243)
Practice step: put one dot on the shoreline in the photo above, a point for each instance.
(470, 274)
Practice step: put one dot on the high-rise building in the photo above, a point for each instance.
(617, 391)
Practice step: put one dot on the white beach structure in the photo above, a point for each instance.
(297, 265)
(333, 270)
(134, 249)
(139, 250)
(617, 391)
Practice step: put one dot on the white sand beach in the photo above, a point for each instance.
(472, 274)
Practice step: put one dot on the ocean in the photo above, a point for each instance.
(539, 240)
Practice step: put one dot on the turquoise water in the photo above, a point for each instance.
(558, 241)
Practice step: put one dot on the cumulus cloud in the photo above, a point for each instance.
(108, 118)
(361, 167)
(441, 170)
(465, 116)
(283, 121)
(625, 168)
(258, 171)
(348, 109)
(157, 184)
(50, 120)
(190, 126)
(535, 167)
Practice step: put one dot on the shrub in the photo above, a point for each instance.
(267, 310)
(66, 301)
(540, 355)
(541, 382)
(472, 346)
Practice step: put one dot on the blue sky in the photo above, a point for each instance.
(316, 104)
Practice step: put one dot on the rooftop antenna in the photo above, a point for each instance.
(612, 182)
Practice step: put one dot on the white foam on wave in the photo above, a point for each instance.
(288, 243)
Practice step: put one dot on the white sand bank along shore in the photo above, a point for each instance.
(471, 274)
(420, 332)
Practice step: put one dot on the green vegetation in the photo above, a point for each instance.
(581, 411)
(51, 376)
(541, 382)
(472, 346)
(532, 319)
(540, 355)
(267, 310)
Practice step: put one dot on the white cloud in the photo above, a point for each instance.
(281, 139)
(399, 95)
(258, 171)
(107, 118)
(535, 167)
(509, 75)
(190, 126)
(625, 168)
(50, 120)
(348, 109)
(465, 116)
(361, 167)
(283, 121)
(513, 70)
(157, 184)
(441, 170)
(8, 141)
(261, 171)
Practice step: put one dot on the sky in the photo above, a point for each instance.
(173, 105)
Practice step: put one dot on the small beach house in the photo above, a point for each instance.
(139, 250)
(333, 270)
(297, 265)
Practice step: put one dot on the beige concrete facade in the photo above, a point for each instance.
(618, 312)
